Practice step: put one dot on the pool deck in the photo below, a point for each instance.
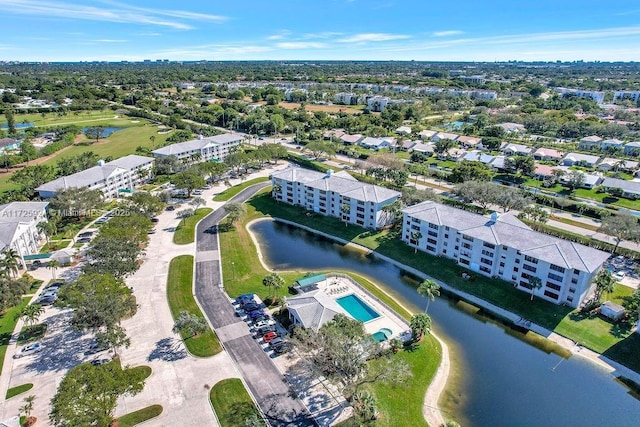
(338, 287)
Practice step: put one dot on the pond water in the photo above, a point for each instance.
(18, 125)
(500, 377)
(105, 133)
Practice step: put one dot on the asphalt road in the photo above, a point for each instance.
(267, 385)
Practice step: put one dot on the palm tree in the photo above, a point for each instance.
(420, 325)
(416, 236)
(275, 281)
(28, 405)
(536, 283)
(10, 262)
(31, 313)
(605, 283)
(430, 289)
(53, 266)
(345, 209)
(48, 228)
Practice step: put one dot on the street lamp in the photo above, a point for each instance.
(233, 270)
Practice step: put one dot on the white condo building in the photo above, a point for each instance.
(504, 247)
(18, 229)
(111, 178)
(339, 195)
(210, 148)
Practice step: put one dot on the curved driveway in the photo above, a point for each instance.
(263, 378)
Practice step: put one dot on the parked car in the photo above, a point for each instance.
(101, 220)
(250, 306)
(55, 286)
(98, 362)
(28, 350)
(155, 219)
(270, 336)
(197, 192)
(152, 231)
(619, 275)
(268, 322)
(86, 234)
(276, 342)
(83, 240)
(265, 329)
(282, 348)
(45, 300)
(171, 208)
(256, 313)
(245, 297)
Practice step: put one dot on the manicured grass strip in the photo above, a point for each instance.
(32, 333)
(593, 332)
(54, 246)
(180, 296)
(230, 192)
(141, 415)
(19, 389)
(146, 370)
(232, 404)
(401, 405)
(8, 321)
(574, 223)
(185, 233)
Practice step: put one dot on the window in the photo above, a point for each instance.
(555, 277)
(556, 268)
(574, 281)
(529, 268)
(431, 248)
(485, 269)
(433, 226)
(576, 271)
(502, 264)
(432, 233)
(572, 290)
(464, 261)
(466, 246)
(530, 259)
(570, 299)
(488, 245)
(446, 236)
(553, 286)
(550, 294)
(515, 269)
(432, 241)
(487, 253)
(517, 261)
(444, 252)
(469, 238)
(486, 261)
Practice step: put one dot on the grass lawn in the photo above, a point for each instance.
(8, 322)
(185, 232)
(133, 418)
(19, 389)
(54, 245)
(232, 403)
(180, 297)
(32, 333)
(146, 370)
(607, 199)
(595, 333)
(574, 223)
(230, 192)
(53, 119)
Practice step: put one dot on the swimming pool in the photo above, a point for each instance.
(357, 308)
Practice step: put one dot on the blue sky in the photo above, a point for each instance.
(460, 30)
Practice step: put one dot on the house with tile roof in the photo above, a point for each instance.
(547, 154)
(339, 195)
(503, 247)
(589, 143)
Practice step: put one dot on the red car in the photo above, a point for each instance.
(270, 336)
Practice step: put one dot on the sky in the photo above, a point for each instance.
(421, 30)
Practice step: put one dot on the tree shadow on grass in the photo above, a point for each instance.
(626, 352)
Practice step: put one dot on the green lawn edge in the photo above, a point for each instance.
(180, 298)
(19, 389)
(185, 232)
(141, 415)
(231, 403)
(8, 321)
(232, 191)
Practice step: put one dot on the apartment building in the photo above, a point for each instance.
(339, 195)
(504, 247)
(202, 149)
(111, 178)
(18, 226)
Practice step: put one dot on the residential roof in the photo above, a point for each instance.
(633, 144)
(547, 152)
(477, 156)
(612, 142)
(82, 178)
(422, 148)
(626, 186)
(408, 144)
(544, 170)
(517, 148)
(352, 139)
(592, 138)
(578, 157)
(446, 135)
(426, 134)
(372, 142)
(403, 129)
(314, 308)
(197, 144)
(469, 140)
(13, 214)
(511, 127)
(497, 162)
(131, 161)
(341, 183)
(510, 231)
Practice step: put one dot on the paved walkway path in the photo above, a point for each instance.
(265, 382)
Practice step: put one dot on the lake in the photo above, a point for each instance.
(500, 377)
(105, 133)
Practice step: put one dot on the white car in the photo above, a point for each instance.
(619, 275)
(29, 349)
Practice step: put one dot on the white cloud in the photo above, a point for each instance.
(373, 37)
(118, 13)
(301, 45)
(279, 35)
(109, 41)
(447, 33)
